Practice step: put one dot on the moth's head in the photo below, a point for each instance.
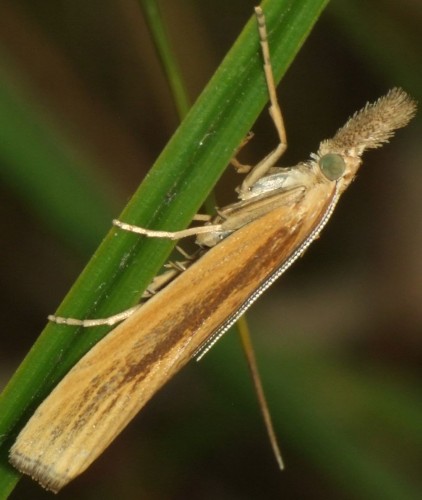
(339, 158)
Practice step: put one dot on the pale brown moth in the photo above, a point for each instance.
(251, 243)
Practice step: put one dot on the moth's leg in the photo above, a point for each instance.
(275, 111)
(176, 235)
(240, 167)
(202, 217)
(110, 321)
(159, 282)
(174, 268)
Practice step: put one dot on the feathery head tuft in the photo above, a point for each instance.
(373, 125)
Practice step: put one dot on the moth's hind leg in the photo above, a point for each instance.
(173, 269)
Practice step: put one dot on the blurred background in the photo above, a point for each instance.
(338, 337)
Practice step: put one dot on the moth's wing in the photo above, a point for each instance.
(232, 217)
(113, 381)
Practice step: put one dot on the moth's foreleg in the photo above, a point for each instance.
(261, 169)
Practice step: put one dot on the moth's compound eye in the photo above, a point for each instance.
(332, 166)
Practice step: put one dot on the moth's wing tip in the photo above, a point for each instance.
(45, 474)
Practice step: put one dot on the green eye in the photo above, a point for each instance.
(332, 166)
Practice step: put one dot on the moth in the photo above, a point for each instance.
(250, 243)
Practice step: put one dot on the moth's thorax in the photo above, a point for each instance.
(289, 187)
(280, 179)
